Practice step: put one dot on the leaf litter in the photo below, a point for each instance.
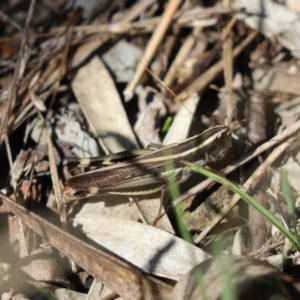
(87, 81)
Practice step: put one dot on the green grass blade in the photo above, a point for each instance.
(182, 227)
(289, 197)
(248, 199)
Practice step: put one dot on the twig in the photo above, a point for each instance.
(202, 81)
(182, 55)
(257, 119)
(84, 51)
(265, 249)
(228, 74)
(139, 212)
(55, 181)
(50, 69)
(11, 164)
(203, 65)
(62, 70)
(188, 18)
(11, 100)
(12, 92)
(120, 276)
(5, 18)
(22, 240)
(152, 46)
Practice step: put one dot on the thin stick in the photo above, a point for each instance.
(85, 50)
(12, 93)
(55, 182)
(11, 164)
(10, 103)
(22, 240)
(182, 54)
(265, 249)
(147, 25)
(106, 266)
(138, 211)
(228, 74)
(6, 18)
(202, 81)
(50, 69)
(204, 64)
(152, 46)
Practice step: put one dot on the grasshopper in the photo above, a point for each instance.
(134, 174)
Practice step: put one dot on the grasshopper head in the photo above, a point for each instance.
(219, 146)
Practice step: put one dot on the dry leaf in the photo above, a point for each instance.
(111, 270)
(149, 248)
(101, 104)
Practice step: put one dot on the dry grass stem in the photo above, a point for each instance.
(182, 54)
(12, 92)
(152, 46)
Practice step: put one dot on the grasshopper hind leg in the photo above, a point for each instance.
(186, 173)
(134, 201)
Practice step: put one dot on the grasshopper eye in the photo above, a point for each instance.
(223, 140)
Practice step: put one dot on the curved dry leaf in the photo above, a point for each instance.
(182, 122)
(243, 277)
(293, 173)
(121, 59)
(153, 250)
(101, 104)
(272, 19)
(43, 269)
(121, 277)
(38, 102)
